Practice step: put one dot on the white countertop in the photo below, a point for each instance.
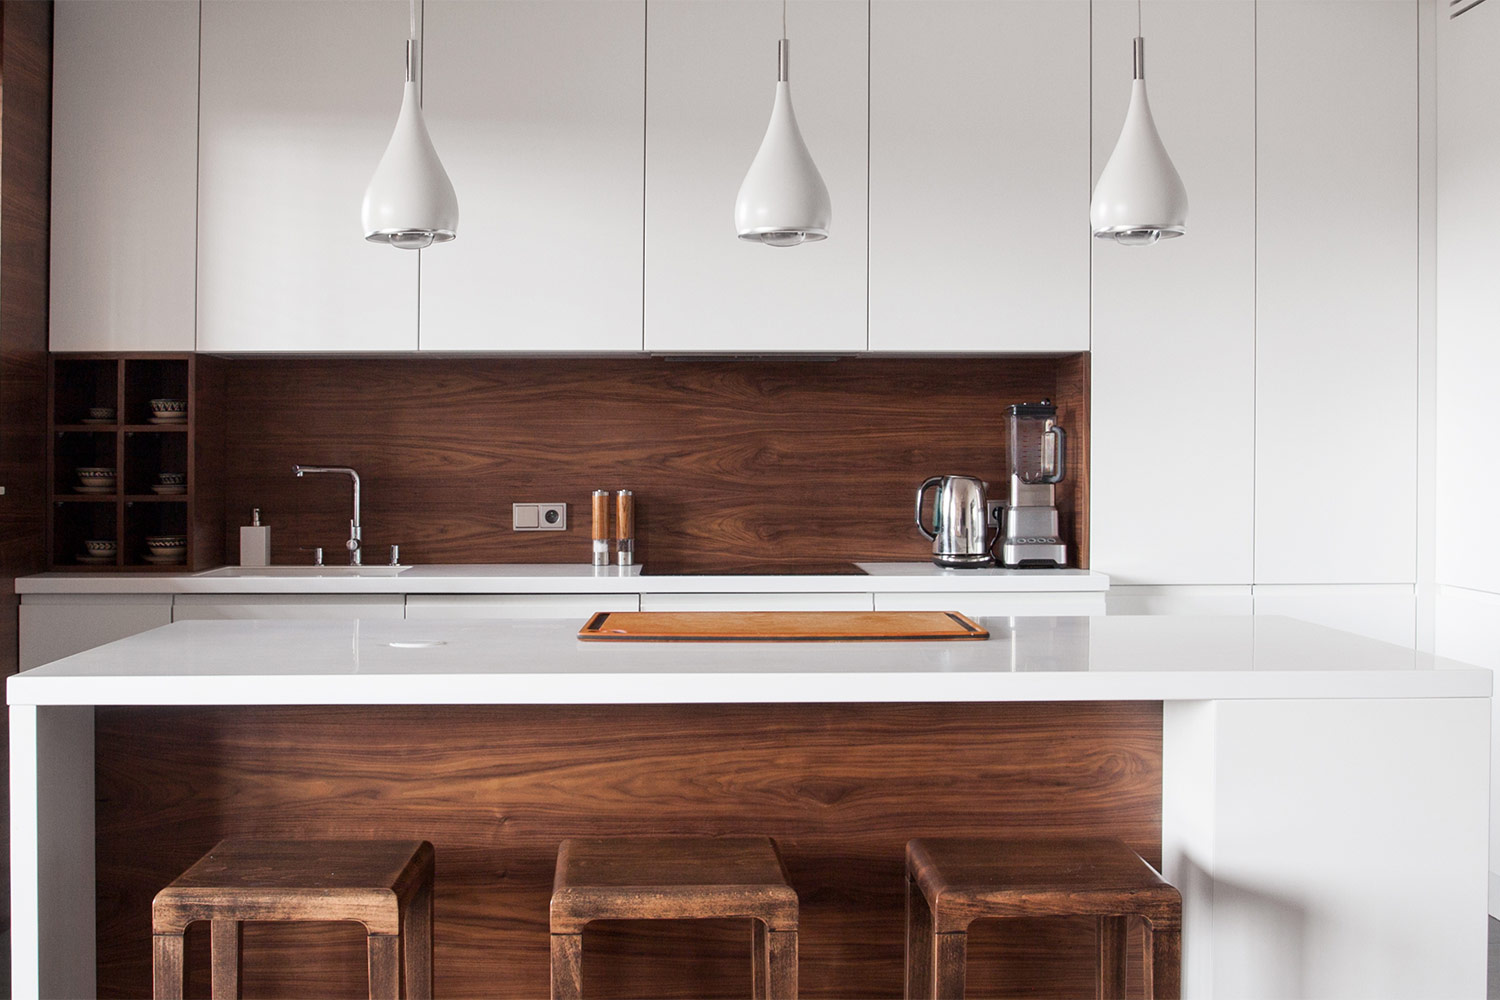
(543, 662)
(570, 578)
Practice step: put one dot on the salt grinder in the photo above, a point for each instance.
(625, 527)
(601, 527)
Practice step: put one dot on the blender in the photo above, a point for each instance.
(1038, 455)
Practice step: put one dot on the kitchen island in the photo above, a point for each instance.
(1321, 800)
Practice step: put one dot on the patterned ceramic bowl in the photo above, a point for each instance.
(171, 478)
(95, 475)
(101, 413)
(168, 407)
(101, 547)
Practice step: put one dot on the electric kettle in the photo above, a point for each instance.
(959, 533)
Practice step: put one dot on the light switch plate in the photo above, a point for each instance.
(539, 516)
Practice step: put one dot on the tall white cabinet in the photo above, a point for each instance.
(710, 81)
(124, 166)
(297, 103)
(1336, 292)
(537, 109)
(1172, 471)
(979, 184)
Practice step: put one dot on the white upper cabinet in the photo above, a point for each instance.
(1336, 292)
(124, 162)
(710, 83)
(1173, 419)
(537, 109)
(298, 101)
(979, 179)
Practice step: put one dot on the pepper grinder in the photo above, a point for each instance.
(601, 527)
(625, 527)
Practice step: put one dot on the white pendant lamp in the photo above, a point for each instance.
(783, 200)
(1140, 198)
(410, 202)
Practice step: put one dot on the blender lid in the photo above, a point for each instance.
(1042, 409)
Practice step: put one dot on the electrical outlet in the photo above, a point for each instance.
(994, 511)
(539, 517)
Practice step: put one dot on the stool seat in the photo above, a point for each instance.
(951, 882)
(384, 885)
(675, 878)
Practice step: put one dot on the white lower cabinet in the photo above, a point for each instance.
(191, 607)
(56, 625)
(1385, 612)
(996, 605)
(489, 606)
(1218, 600)
(756, 602)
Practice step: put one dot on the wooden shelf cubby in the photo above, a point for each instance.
(138, 450)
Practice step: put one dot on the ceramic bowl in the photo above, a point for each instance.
(157, 543)
(101, 546)
(168, 407)
(94, 475)
(171, 478)
(101, 413)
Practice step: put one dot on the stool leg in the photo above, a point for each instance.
(224, 950)
(567, 966)
(416, 947)
(385, 966)
(1112, 939)
(1163, 960)
(781, 965)
(918, 944)
(950, 958)
(759, 960)
(166, 967)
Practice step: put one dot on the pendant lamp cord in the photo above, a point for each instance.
(783, 17)
(1137, 17)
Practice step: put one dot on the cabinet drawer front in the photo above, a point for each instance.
(482, 606)
(756, 602)
(191, 607)
(1002, 605)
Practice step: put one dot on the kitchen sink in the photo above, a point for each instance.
(305, 571)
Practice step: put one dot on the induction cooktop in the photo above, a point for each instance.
(753, 569)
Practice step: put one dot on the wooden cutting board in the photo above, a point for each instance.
(779, 626)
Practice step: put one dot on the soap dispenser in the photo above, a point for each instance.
(255, 542)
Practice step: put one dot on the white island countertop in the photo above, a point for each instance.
(544, 662)
(564, 578)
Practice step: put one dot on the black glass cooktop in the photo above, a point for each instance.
(754, 569)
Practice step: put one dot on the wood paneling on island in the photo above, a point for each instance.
(495, 789)
(733, 462)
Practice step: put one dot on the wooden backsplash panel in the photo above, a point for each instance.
(732, 462)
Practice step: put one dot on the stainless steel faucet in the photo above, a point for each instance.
(353, 544)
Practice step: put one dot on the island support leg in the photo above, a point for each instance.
(567, 967)
(52, 851)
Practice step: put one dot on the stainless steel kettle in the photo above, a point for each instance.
(960, 531)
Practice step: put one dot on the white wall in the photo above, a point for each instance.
(1467, 432)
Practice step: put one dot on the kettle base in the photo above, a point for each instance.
(963, 562)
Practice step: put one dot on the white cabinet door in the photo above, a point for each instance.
(979, 184)
(756, 602)
(124, 174)
(491, 606)
(1180, 600)
(999, 605)
(538, 111)
(1173, 374)
(1336, 292)
(193, 607)
(299, 98)
(710, 81)
(56, 625)
(1381, 611)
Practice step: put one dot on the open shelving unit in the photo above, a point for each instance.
(138, 449)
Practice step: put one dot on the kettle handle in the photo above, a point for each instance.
(921, 490)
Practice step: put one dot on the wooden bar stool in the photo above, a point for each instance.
(950, 883)
(674, 878)
(385, 885)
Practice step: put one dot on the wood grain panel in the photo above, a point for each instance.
(732, 462)
(495, 789)
(25, 206)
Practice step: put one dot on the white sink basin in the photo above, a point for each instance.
(305, 571)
